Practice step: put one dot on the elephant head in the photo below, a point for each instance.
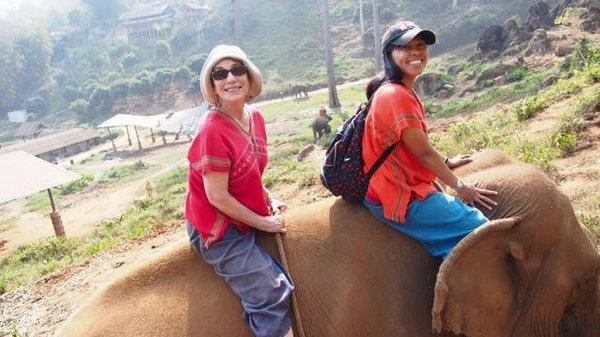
(530, 272)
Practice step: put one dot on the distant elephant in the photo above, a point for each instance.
(532, 272)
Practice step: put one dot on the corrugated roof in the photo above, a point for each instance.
(29, 128)
(52, 142)
(185, 121)
(22, 174)
(145, 12)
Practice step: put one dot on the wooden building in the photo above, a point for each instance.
(150, 22)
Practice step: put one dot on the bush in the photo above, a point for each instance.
(130, 60)
(36, 105)
(565, 142)
(79, 106)
(76, 185)
(529, 107)
(517, 73)
(119, 89)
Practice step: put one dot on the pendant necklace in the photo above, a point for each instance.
(248, 132)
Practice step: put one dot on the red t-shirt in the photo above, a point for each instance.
(402, 175)
(222, 146)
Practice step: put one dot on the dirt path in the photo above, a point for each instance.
(81, 213)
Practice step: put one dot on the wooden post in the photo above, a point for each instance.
(138, 137)
(59, 229)
(128, 136)
(152, 135)
(112, 140)
(162, 134)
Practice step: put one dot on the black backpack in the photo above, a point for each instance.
(342, 171)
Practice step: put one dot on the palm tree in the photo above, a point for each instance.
(362, 20)
(237, 22)
(334, 101)
(376, 41)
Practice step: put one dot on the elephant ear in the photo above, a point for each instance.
(475, 294)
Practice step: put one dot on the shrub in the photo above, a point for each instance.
(529, 107)
(76, 185)
(129, 60)
(565, 142)
(79, 107)
(36, 105)
(517, 73)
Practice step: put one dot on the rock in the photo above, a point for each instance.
(455, 69)
(490, 74)
(539, 17)
(118, 264)
(539, 44)
(492, 39)
(446, 91)
(549, 81)
(501, 80)
(564, 49)
(512, 33)
(591, 23)
(429, 84)
(305, 152)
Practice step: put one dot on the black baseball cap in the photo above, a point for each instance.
(403, 32)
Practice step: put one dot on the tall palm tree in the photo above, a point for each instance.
(237, 22)
(362, 20)
(377, 42)
(334, 101)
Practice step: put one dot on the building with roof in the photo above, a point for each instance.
(149, 22)
(59, 145)
(30, 130)
(190, 13)
(19, 116)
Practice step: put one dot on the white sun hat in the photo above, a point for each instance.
(219, 53)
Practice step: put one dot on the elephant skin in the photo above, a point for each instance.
(530, 272)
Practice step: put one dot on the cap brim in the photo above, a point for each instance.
(427, 36)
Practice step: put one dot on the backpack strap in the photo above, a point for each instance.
(381, 159)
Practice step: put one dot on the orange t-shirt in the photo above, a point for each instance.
(402, 175)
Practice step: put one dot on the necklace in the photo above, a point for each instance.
(249, 131)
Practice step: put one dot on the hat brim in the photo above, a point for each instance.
(218, 54)
(428, 37)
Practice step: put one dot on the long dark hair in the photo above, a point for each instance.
(391, 73)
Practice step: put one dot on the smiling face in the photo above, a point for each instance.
(411, 58)
(232, 88)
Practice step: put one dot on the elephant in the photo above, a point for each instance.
(531, 271)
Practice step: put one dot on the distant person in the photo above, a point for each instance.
(227, 202)
(402, 192)
(320, 125)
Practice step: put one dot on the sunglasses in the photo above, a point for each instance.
(237, 71)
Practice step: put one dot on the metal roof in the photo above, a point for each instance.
(151, 11)
(22, 174)
(185, 121)
(52, 142)
(29, 128)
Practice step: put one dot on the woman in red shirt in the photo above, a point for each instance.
(227, 202)
(401, 193)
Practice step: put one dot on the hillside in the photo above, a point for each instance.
(78, 68)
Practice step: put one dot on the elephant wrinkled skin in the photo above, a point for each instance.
(530, 272)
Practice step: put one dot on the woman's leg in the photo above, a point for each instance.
(439, 222)
(254, 276)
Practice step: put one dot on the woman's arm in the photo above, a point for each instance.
(217, 191)
(417, 143)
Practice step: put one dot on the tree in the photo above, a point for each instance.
(36, 105)
(163, 51)
(334, 101)
(28, 59)
(376, 41)
(362, 19)
(237, 22)
(74, 18)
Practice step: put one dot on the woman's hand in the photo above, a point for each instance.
(272, 224)
(276, 206)
(458, 161)
(472, 194)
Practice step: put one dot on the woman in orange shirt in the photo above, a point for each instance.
(401, 193)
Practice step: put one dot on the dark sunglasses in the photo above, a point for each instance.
(237, 71)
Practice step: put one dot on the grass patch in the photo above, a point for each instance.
(118, 172)
(565, 137)
(76, 185)
(40, 202)
(93, 158)
(32, 261)
(592, 222)
(6, 224)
